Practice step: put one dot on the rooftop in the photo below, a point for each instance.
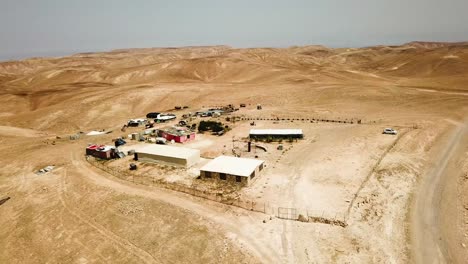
(275, 131)
(168, 151)
(94, 146)
(232, 165)
(100, 148)
(105, 148)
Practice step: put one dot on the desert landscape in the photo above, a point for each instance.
(351, 193)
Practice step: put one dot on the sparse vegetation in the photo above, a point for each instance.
(210, 126)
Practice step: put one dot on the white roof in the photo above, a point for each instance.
(275, 131)
(232, 165)
(168, 151)
(95, 133)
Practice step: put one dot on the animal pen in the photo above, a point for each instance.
(265, 207)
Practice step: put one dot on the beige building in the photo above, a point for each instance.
(232, 170)
(276, 133)
(168, 154)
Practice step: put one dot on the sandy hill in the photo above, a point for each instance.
(39, 90)
(347, 179)
(432, 45)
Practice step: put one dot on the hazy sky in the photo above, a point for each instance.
(58, 27)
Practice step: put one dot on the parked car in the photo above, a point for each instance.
(136, 122)
(161, 141)
(152, 115)
(120, 142)
(389, 131)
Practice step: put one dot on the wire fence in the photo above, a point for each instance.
(303, 215)
(291, 119)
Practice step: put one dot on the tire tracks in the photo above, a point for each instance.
(369, 175)
(263, 252)
(131, 248)
(429, 243)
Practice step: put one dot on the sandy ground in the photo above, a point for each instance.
(401, 195)
(442, 195)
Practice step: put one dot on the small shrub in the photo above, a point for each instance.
(210, 125)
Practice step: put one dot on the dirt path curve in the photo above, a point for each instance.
(123, 244)
(240, 228)
(428, 244)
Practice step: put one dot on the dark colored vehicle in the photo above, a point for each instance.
(120, 142)
(152, 115)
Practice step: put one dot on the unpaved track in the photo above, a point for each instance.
(429, 244)
(122, 243)
(239, 229)
(369, 175)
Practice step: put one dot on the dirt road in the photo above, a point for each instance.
(430, 245)
(237, 228)
(79, 214)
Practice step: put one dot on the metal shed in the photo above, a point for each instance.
(276, 133)
(168, 154)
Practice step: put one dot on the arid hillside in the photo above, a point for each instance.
(386, 187)
(35, 88)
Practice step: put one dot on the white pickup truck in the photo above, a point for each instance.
(165, 117)
(389, 131)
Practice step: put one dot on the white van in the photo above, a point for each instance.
(389, 131)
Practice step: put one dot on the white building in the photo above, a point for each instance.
(168, 154)
(232, 170)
